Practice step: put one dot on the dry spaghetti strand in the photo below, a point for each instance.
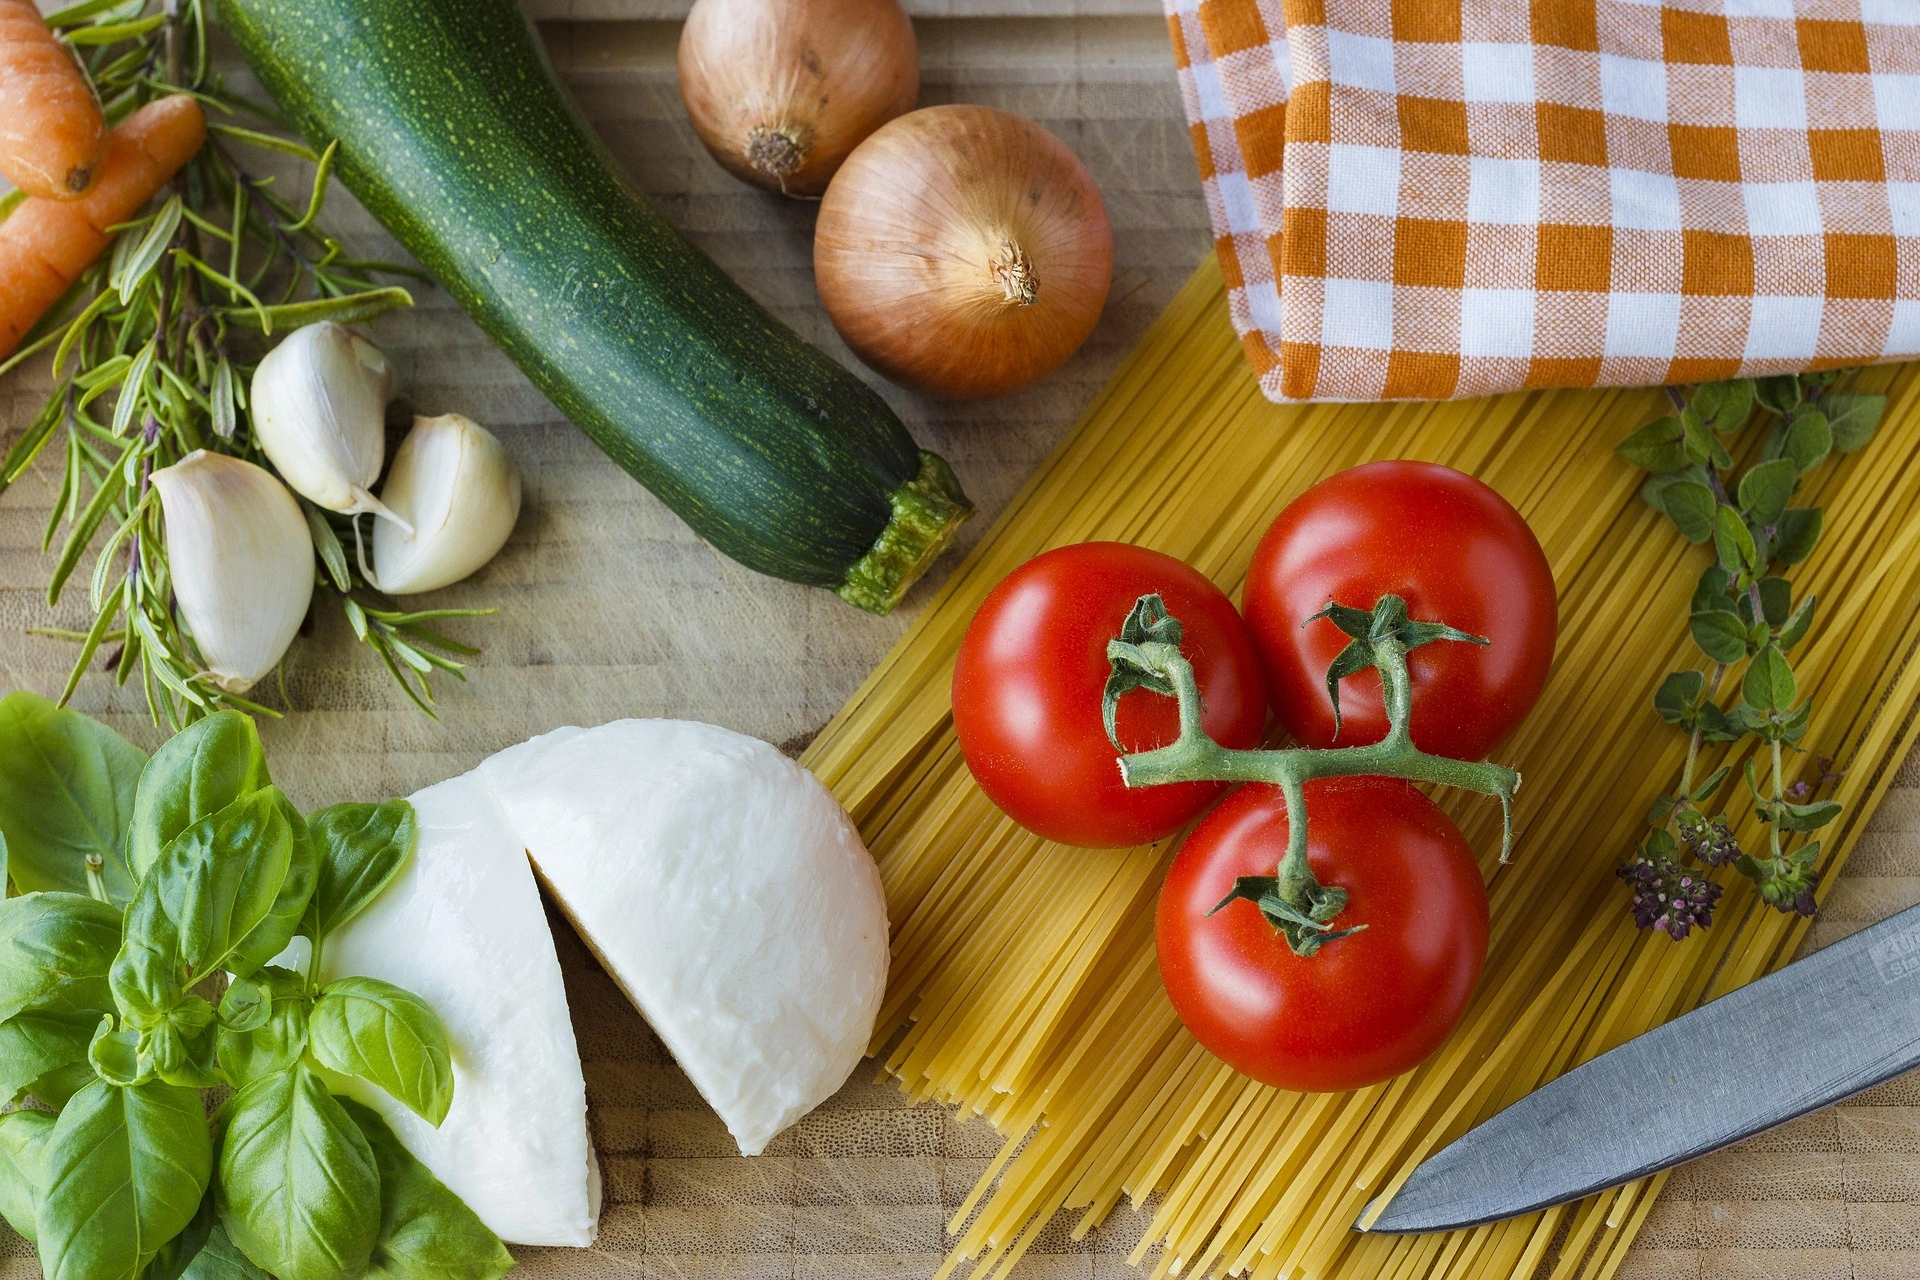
(1061, 1035)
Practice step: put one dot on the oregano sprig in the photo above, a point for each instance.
(1745, 621)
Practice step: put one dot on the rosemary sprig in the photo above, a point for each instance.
(1745, 620)
(153, 351)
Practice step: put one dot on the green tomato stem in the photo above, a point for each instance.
(1195, 757)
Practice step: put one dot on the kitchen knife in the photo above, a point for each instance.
(1844, 1019)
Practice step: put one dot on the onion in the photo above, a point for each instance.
(963, 251)
(781, 90)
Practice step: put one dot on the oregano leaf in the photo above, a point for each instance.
(1854, 417)
(1733, 541)
(1657, 447)
(1799, 530)
(1724, 405)
(1776, 600)
(1690, 505)
(1678, 695)
(1769, 684)
(1807, 440)
(1766, 489)
(1794, 629)
(1779, 393)
(1719, 635)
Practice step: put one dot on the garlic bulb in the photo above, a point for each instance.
(458, 496)
(963, 251)
(241, 559)
(319, 403)
(781, 90)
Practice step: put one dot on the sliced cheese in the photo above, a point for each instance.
(462, 927)
(725, 890)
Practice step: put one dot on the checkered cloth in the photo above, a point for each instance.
(1425, 199)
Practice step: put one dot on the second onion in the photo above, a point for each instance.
(963, 251)
(781, 90)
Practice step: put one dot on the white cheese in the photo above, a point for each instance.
(727, 893)
(462, 927)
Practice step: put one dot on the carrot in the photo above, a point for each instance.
(50, 125)
(46, 244)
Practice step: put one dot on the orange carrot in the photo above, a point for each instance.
(50, 125)
(46, 244)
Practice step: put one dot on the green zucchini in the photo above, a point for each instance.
(454, 133)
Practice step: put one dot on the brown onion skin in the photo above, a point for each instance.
(809, 78)
(914, 227)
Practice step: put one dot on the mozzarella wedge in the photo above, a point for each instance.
(461, 926)
(724, 889)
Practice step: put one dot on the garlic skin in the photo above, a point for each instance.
(242, 563)
(458, 496)
(319, 406)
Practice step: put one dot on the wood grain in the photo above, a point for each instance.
(610, 607)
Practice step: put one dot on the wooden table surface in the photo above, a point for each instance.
(610, 607)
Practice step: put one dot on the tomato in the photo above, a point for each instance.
(1363, 1008)
(1456, 552)
(1028, 682)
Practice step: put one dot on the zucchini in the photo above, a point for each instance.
(454, 133)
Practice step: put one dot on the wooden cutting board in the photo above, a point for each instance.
(610, 607)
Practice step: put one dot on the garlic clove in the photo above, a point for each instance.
(319, 405)
(458, 496)
(242, 563)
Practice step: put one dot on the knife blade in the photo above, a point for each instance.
(1844, 1019)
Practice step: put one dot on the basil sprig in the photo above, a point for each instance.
(149, 884)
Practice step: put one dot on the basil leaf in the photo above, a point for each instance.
(426, 1231)
(145, 976)
(172, 1259)
(271, 935)
(198, 772)
(246, 1005)
(360, 848)
(115, 1055)
(125, 1172)
(23, 1144)
(57, 1087)
(66, 793)
(299, 1191)
(221, 1259)
(278, 1039)
(220, 879)
(55, 951)
(38, 1041)
(372, 1029)
(182, 1049)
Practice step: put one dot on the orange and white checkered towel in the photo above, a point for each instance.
(1438, 198)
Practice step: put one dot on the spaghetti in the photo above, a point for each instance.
(1024, 984)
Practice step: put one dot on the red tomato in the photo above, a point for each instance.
(1028, 681)
(1456, 552)
(1363, 1008)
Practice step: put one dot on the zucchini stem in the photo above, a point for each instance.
(928, 511)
